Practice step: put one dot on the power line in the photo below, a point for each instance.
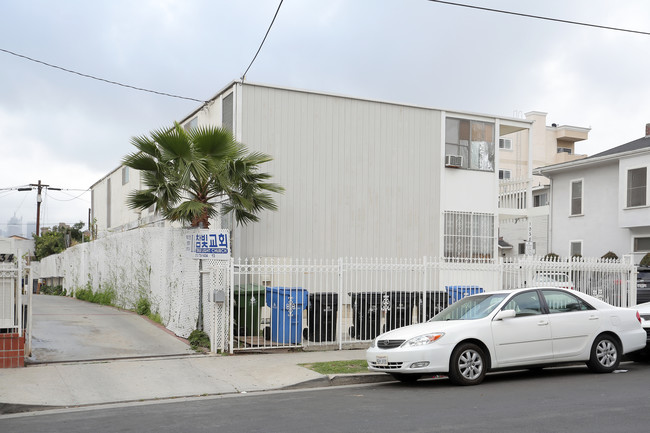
(100, 79)
(69, 195)
(578, 23)
(243, 77)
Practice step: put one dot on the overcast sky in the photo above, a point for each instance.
(70, 131)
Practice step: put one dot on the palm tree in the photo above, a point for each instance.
(187, 173)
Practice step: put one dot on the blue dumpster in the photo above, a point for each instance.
(286, 305)
(459, 292)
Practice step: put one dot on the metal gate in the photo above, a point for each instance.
(15, 300)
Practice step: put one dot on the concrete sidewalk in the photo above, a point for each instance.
(126, 380)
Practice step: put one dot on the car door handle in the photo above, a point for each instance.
(542, 323)
(593, 317)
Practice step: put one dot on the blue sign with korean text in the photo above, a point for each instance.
(208, 244)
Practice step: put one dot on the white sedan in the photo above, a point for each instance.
(532, 327)
(644, 311)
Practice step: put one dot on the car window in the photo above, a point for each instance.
(562, 302)
(525, 304)
(470, 308)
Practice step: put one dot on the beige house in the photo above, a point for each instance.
(524, 200)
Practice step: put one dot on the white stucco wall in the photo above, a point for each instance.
(598, 227)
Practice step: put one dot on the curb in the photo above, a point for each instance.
(341, 380)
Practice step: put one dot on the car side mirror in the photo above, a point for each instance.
(505, 314)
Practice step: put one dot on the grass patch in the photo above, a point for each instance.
(339, 367)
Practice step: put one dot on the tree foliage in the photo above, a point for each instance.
(57, 238)
(186, 173)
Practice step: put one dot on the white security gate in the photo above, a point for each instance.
(8, 295)
(272, 303)
(15, 300)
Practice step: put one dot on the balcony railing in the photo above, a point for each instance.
(513, 193)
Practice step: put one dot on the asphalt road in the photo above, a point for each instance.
(568, 399)
(67, 329)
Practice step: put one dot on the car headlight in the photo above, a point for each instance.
(421, 340)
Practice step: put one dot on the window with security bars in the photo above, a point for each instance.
(469, 235)
(637, 181)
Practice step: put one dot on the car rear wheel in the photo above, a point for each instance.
(406, 378)
(605, 354)
(468, 365)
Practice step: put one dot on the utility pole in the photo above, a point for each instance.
(39, 198)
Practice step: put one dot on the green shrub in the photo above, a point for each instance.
(143, 307)
(105, 296)
(199, 339)
(645, 261)
(156, 318)
(102, 296)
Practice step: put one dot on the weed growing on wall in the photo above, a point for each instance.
(143, 306)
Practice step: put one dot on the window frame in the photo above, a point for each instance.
(461, 139)
(504, 141)
(571, 244)
(628, 189)
(502, 174)
(572, 198)
(463, 237)
(228, 117)
(125, 175)
(538, 198)
(635, 247)
(580, 301)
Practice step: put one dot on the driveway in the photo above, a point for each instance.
(67, 329)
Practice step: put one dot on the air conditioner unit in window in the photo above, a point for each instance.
(453, 161)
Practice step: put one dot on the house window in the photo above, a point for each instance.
(576, 197)
(125, 175)
(108, 203)
(576, 248)
(505, 143)
(522, 248)
(473, 141)
(637, 181)
(641, 245)
(227, 112)
(192, 123)
(540, 200)
(505, 174)
(468, 235)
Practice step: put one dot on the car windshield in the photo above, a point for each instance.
(470, 308)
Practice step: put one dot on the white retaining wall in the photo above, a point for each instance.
(147, 262)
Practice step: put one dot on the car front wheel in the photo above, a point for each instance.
(468, 365)
(605, 354)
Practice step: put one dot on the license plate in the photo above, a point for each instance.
(382, 360)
